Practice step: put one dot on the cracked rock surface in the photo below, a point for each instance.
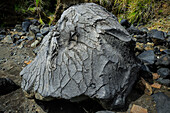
(87, 54)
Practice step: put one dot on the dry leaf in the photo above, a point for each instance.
(148, 88)
(138, 109)
(27, 62)
(156, 85)
(155, 76)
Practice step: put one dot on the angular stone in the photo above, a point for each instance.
(125, 23)
(7, 39)
(87, 54)
(25, 25)
(162, 102)
(147, 57)
(7, 86)
(164, 60)
(144, 29)
(35, 43)
(164, 81)
(34, 29)
(134, 30)
(164, 72)
(44, 30)
(158, 35)
(105, 112)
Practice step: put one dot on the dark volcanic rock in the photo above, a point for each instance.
(163, 72)
(144, 29)
(125, 23)
(35, 22)
(167, 51)
(134, 30)
(7, 86)
(162, 102)
(105, 112)
(164, 81)
(25, 25)
(34, 29)
(84, 57)
(158, 35)
(147, 57)
(164, 60)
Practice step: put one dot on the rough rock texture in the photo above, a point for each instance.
(162, 102)
(88, 54)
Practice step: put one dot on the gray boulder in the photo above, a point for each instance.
(87, 54)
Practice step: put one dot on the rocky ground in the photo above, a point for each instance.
(151, 92)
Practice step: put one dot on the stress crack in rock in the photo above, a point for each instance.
(90, 56)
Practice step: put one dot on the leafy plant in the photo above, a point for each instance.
(134, 10)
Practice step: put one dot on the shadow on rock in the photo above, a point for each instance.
(7, 86)
(65, 106)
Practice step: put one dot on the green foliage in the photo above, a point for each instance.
(134, 10)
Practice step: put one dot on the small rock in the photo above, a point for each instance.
(3, 32)
(30, 38)
(162, 102)
(167, 51)
(18, 27)
(21, 33)
(35, 43)
(147, 57)
(157, 51)
(151, 32)
(164, 81)
(25, 25)
(164, 72)
(15, 37)
(45, 30)
(168, 39)
(34, 29)
(139, 46)
(105, 112)
(2, 37)
(168, 34)
(165, 34)
(125, 23)
(7, 86)
(149, 46)
(158, 35)
(7, 39)
(24, 37)
(134, 30)
(141, 38)
(138, 109)
(144, 29)
(164, 60)
(36, 50)
(39, 38)
(35, 22)
(39, 35)
(21, 44)
(19, 41)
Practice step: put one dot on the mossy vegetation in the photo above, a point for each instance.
(48, 11)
